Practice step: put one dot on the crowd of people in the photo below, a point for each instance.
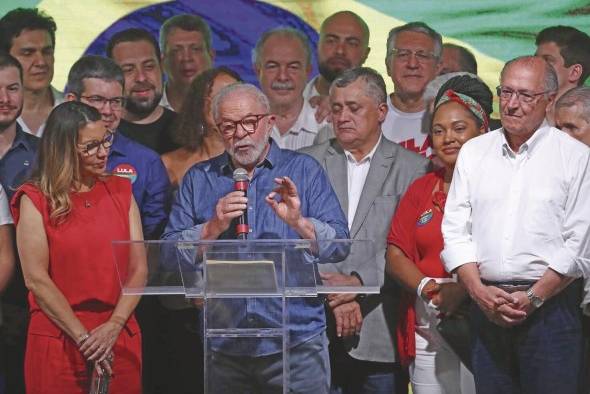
(481, 225)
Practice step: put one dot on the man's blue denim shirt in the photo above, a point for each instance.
(207, 182)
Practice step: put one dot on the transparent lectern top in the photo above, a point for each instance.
(251, 268)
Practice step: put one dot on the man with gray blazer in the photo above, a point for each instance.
(369, 174)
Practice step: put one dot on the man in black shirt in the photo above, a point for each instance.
(144, 121)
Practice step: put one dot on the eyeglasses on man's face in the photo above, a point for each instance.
(404, 55)
(91, 148)
(524, 96)
(97, 101)
(249, 124)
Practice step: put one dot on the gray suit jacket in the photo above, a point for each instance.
(392, 170)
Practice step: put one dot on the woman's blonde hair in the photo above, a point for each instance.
(58, 167)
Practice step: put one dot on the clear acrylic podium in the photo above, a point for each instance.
(247, 291)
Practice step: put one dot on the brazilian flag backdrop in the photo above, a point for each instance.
(495, 30)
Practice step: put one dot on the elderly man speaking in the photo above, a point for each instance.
(289, 196)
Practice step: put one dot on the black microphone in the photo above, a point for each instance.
(241, 182)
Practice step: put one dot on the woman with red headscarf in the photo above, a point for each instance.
(461, 112)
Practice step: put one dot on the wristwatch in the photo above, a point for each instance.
(536, 302)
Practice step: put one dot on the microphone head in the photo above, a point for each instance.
(240, 175)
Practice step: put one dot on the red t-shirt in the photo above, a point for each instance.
(416, 230)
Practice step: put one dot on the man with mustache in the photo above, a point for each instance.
(413, 59)
(343, 44)
(29, 35)
(187, 51)
(516, 230)
(17, 155)
(144, 120)
(301, 206)
(282, 61)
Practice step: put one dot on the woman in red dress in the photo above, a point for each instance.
(461, 112)
(66, 219)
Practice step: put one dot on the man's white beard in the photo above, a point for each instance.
(251, 157)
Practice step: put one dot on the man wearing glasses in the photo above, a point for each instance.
(289, 197)
(413, 59)
(98, 82)
(516, 232)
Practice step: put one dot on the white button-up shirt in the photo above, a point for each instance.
(304, 132)
(357, 172)
(310, 90)
(517, 213)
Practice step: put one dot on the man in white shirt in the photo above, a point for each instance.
(413, 59)
(369, 174)
(343, 44)
(187, 51)
(28, 34)
(282, 61)
(516, 232)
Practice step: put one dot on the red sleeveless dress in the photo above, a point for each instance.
(82, 266)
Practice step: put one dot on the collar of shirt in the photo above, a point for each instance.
(367, 157)
(530, 145)
(119, 144)
(58, 98)
(21, 139)
(305, 122)
(310, 90)
(164, 100)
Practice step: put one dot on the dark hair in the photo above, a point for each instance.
(574, 46)
(189, 129)
(374, 83)
(472, 87)
(92, 66)
(132, 35)
(14, 22)
(467, 61)
(186, 22)
(57, 166)
(7, 60)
